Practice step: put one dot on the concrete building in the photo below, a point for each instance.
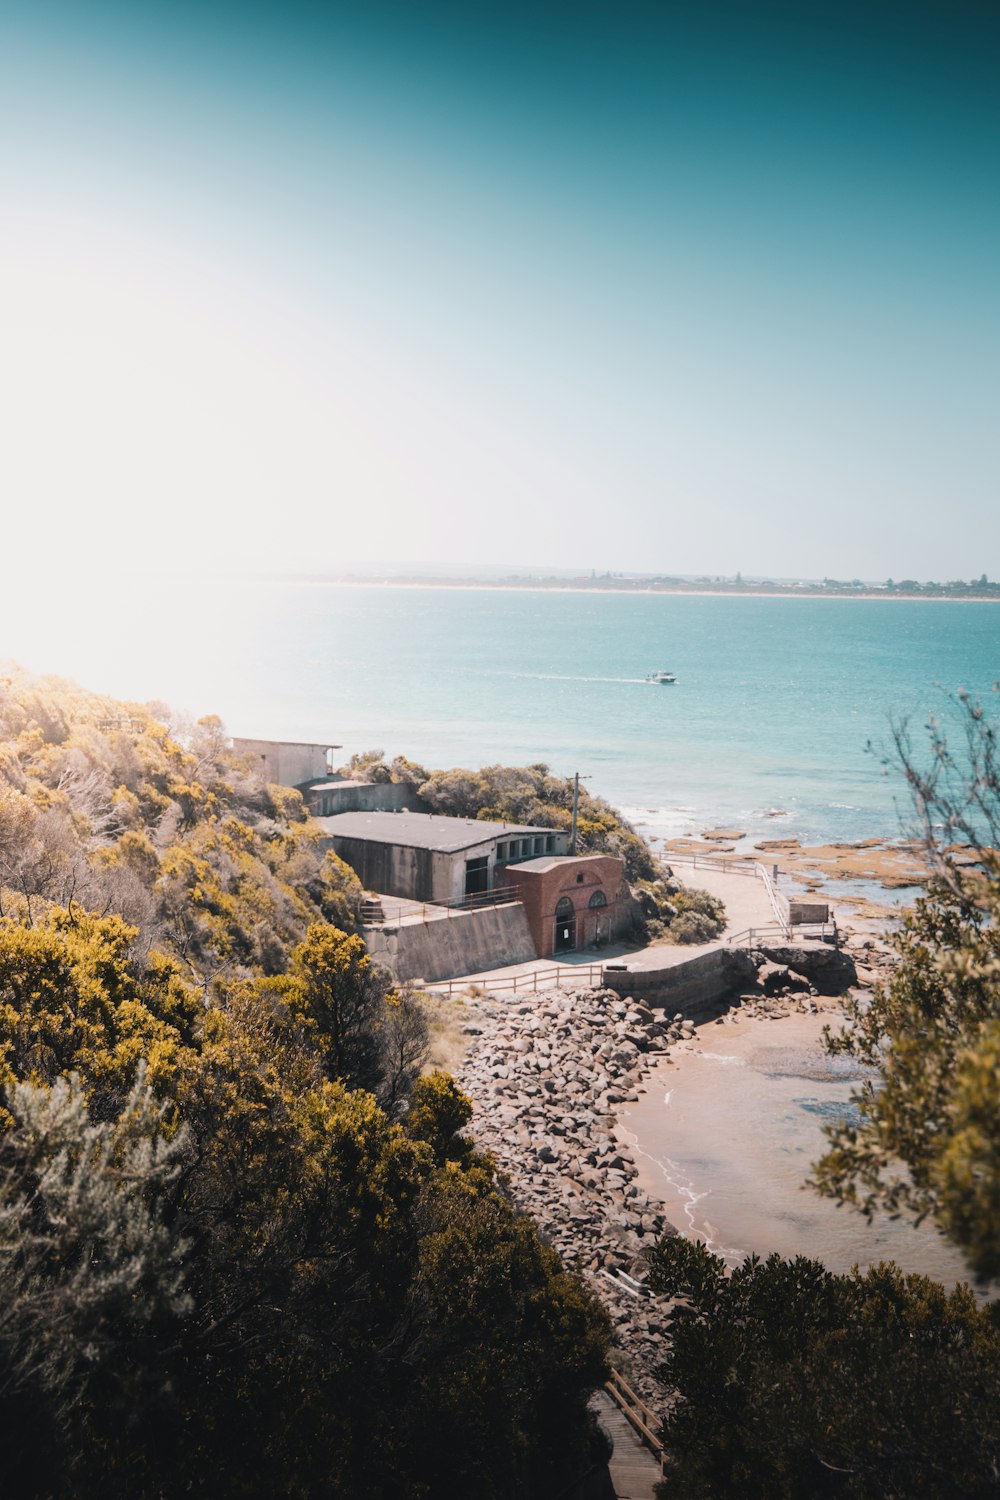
(578, 901)
(333, 795)
(432, 858)
(287, 762)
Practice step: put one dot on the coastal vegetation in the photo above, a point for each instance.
(246, 1250)
(680, 913)
(518, 794)
(933, 1033)
(791, 1383)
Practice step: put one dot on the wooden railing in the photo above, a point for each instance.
(591, 975)
(643, 1421)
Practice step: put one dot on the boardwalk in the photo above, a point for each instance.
(634, 1470)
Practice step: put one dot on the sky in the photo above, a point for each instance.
(674, 288)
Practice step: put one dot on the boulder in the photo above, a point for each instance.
(831, 970)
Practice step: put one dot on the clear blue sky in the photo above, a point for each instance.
(673, 287)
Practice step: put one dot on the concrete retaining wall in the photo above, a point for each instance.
(694, 985)
(808, 911)
(467, 942)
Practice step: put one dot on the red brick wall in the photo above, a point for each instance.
(576, 877)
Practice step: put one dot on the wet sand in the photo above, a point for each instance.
(726, 1132)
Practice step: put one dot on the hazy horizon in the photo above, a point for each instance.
(648, 288)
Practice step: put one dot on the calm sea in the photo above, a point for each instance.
(775, 702)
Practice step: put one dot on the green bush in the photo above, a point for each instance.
(700, 917)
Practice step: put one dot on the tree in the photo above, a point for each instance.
(368, 1034)
(438, 1111)
(93, 1275)
(791, 1383)
(932, 1035)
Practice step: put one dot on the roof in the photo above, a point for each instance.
(415, 830)
(243, 739)
(331, 783)
(552, 861)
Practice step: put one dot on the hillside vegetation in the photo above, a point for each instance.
(518, 794)
(130, 809)
(246, 1249)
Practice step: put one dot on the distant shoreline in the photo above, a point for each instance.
(705, 593)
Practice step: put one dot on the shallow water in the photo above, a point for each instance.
(726, 1136)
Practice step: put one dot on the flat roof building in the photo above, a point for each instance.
(287, 762)
(430, 857)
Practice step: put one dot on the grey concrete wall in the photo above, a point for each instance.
(283, 763)
(808, 911)
(690, 986)
(389, 868)
(468, 942)
(418, 874)
(362, 796)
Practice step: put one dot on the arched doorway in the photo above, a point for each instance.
(565, 925)
(601, 928)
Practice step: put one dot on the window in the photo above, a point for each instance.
(598, 899)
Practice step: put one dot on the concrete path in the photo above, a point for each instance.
(745, 896)
(747, 905)
(634, 1471)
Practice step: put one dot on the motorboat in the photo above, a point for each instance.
(663, 678)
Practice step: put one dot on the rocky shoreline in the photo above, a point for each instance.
(547, 1076)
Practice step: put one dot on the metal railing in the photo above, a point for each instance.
(384, 909)
(778, 903)
(740, 865)
(498, 896)
(590, 975)
(752, 937)
(638, 1415)
(732, 864)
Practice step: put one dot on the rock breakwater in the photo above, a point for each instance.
(546, 1077)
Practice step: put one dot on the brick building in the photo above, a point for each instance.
(573, 901)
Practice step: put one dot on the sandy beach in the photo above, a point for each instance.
(724, 1134)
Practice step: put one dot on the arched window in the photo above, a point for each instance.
(564, 908)
(598, 899)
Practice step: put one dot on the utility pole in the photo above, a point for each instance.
(576, 801)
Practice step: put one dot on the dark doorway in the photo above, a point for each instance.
(477, 876)
(565, 926)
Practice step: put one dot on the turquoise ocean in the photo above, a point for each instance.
(776, 701)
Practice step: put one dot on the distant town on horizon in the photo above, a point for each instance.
(624, 582)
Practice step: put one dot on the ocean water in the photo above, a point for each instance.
(766, 729)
